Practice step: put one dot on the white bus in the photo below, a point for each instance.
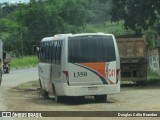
(85, 64)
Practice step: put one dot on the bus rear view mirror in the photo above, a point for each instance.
(35, 48)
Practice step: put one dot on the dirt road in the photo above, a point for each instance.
(14, 78)
(131, 98)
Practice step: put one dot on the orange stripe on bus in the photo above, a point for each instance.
(99, 67)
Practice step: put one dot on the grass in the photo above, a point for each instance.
(32, 84)
(153, 78)
(24, 62)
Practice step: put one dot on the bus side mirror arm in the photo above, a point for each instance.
(35, 49)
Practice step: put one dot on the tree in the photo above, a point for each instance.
(101, 11)
(42, 18)
(9, 33)
(138, 15)
(52, 16)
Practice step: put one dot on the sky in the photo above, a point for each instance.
(13, 1)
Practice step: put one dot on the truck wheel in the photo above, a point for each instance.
(141, 83)
(100, 98)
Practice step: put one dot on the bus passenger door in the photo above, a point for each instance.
(44, 75)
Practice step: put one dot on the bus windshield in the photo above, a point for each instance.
(85, 49)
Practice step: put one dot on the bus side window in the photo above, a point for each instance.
(60, 50)
(42, 53)
(48, 55)
(56, 49)
(50, 52)
(53, 52)
(57, 52)
(47, 52)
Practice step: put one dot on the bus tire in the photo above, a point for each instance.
(40, 84)
(0, 76)
(56, 98)
(100, 98)
(43, 93)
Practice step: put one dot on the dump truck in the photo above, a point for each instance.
(133, 59)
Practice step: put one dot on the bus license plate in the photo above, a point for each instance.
(92, 88)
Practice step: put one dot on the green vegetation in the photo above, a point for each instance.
(108, 27)
(24, 62)
(25, 24)
(29, 23)
(137, 15)
(152, 76)
(32, 84)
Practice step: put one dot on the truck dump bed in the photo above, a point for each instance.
(133, 58)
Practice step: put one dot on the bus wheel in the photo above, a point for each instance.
(40, 84)
(0, 77)
(99, 98)
(42, 92)
(56, 98)
(45, 94)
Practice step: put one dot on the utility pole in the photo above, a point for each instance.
(21, 37)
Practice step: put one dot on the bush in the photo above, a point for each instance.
(24, 62)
